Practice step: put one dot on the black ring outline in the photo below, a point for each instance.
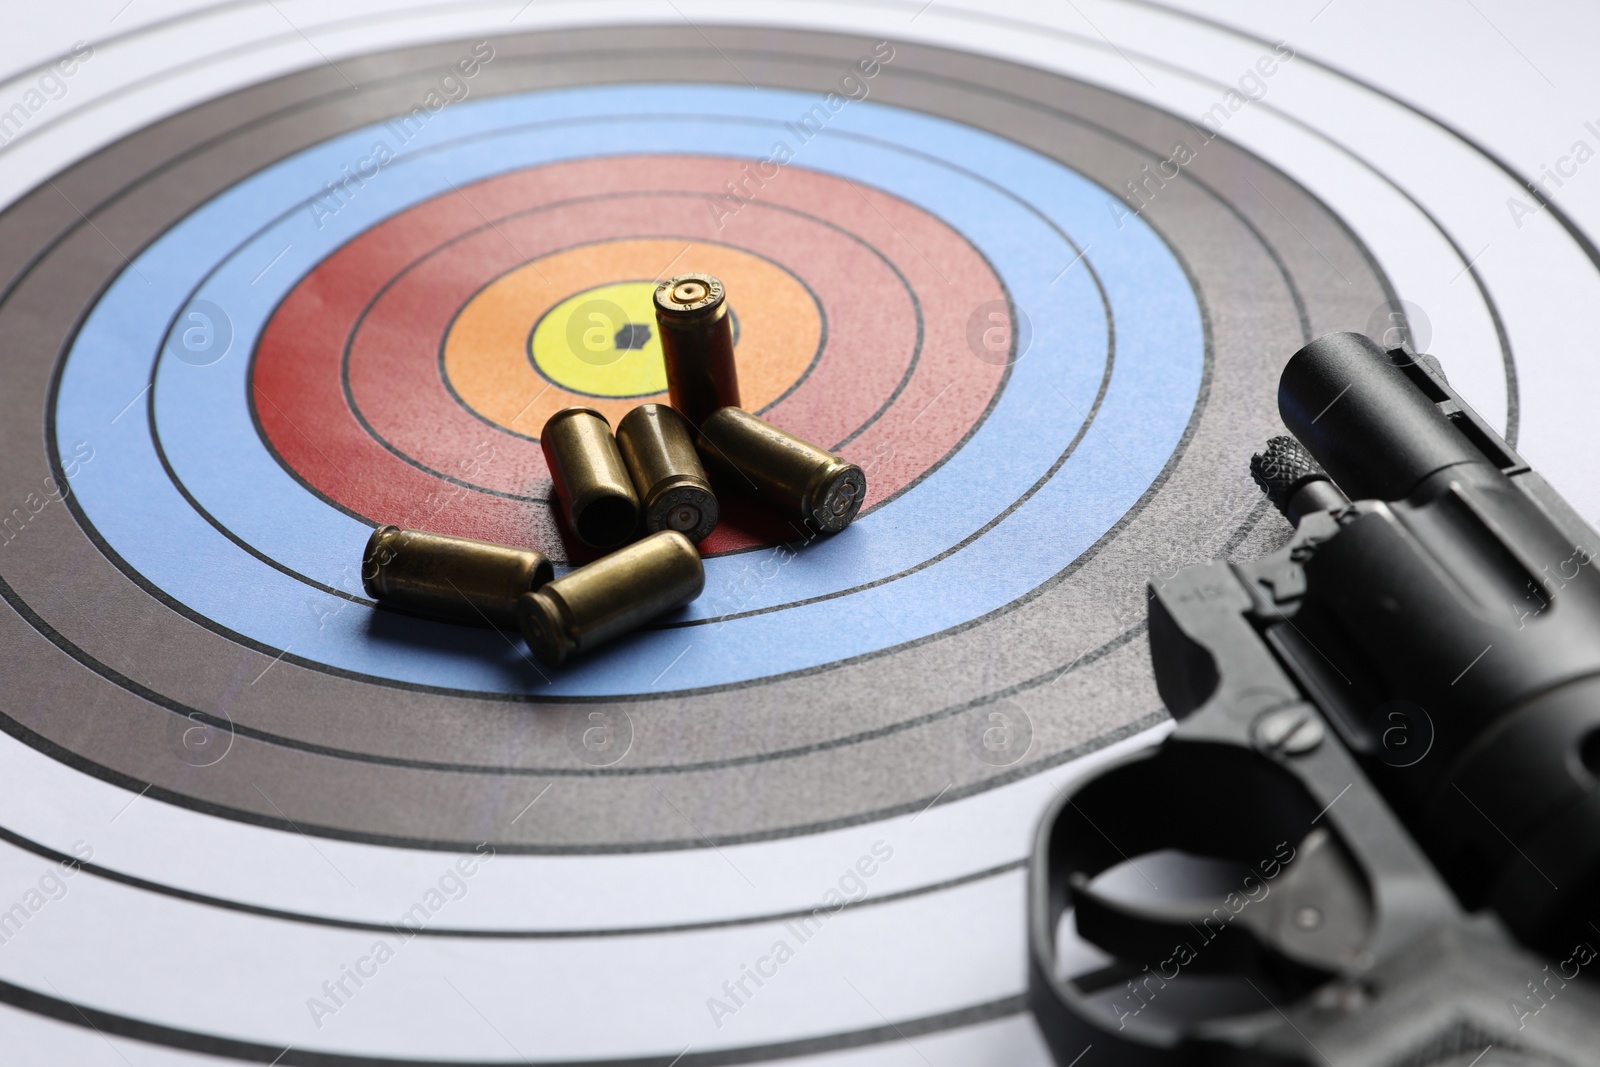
(1299, 303)
(531, 336)
(344, 359)
(1469, 265)
(1489, 303)
(1207, 387)
(871, 420)
(1270, 250)
(1156, 485)
(1067, 118)
(1010, 1006)
(444, 376)
(297, 478)
(237, 638)
(187, 713)
(462, 933)
(1176, 455)
(1573, 231)
(806, 373)
(106, 1022)
(1578, 236)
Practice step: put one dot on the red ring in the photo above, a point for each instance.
(393, 371)
(301, 403)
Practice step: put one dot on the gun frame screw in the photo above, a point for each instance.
(1292, 731)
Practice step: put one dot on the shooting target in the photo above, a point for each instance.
(247, 332)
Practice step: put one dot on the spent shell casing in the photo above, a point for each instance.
(596, 493)
(611, 596)
(697, 345)
(457, 577)
(657, 447)
(798, 479)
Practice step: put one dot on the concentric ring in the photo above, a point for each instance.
(864, 723)
(865, 365)
(914, 684)
(787, 339)
(1020, 229)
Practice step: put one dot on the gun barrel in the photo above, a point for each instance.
(1365, 420)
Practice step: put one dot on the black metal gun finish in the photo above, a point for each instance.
(1463, 586)
(1407, 697)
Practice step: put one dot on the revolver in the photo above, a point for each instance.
(1373, 837)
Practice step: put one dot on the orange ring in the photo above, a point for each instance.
(486, 354)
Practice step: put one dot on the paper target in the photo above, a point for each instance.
(249, 330)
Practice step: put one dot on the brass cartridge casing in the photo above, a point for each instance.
(697, 345)
(611, 596)
(657, 447)
(456, 577)
(596, 493)
(798, 479)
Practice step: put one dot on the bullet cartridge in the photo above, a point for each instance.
(697, 345)
(457, 577)
(798, 479)
(611, 596)
(596, 493)
(657, 447)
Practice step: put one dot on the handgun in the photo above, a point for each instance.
(1372, 838)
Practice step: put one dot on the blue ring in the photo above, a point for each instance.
(207, 437)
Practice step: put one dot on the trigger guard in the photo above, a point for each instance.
(1204, 797)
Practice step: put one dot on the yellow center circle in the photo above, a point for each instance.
(569, 329)
(603, 342)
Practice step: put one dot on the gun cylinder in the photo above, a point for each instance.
(456, 577)
(596, 493)
(1369, 425)
(657, 446)
(798, 479)
(1452, 629)
(697, 345)
(611, 596)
